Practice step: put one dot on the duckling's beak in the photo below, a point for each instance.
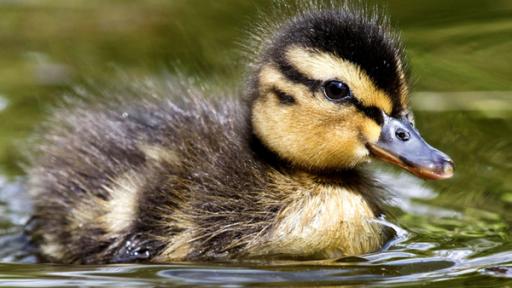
(401, 144)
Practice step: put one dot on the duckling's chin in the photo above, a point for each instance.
(360, 155)
(363, 155)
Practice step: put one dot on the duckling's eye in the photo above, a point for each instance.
(336, 91)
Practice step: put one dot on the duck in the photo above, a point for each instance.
(279, 170)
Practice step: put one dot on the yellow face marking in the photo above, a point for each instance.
(312, 132)
(324, 66)
(371, 130)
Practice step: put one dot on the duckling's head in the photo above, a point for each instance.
(330, 91)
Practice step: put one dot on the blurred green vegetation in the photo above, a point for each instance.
(48, 46)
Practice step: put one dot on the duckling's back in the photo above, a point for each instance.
(136, 179)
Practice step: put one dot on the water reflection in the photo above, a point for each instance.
(400, 268)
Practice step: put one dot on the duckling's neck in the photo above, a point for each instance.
(354, 179)
(327, 176)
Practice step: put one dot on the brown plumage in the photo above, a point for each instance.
(165, 172)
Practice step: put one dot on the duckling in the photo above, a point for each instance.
(175, 174)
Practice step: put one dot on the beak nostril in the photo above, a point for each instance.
(402, 134)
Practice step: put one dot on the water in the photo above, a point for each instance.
(452, 233)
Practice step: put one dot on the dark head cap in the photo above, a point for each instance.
(358, 35)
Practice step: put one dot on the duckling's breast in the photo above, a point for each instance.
(324, 221)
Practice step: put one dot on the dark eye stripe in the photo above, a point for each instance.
(371, 112)
(296, 76)
(284, 98)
